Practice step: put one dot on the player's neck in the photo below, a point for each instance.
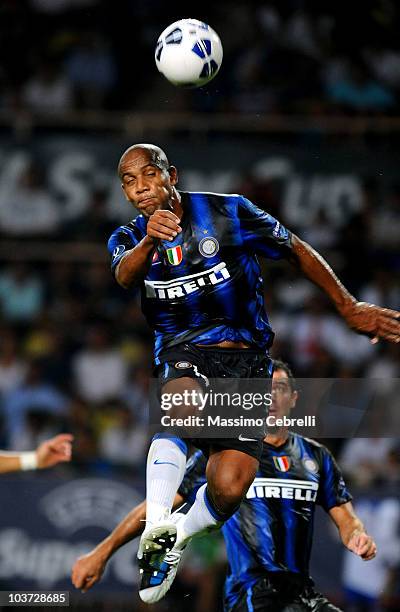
(277, 438)
(176, 204)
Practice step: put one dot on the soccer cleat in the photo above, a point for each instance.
(155, 542)
(156, 579)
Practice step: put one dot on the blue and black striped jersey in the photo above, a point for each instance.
(272, 530)
(206, 285)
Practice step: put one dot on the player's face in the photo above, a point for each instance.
(283, 398)
(146, 186)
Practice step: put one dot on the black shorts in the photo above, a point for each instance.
(281, 594)
(204, 363)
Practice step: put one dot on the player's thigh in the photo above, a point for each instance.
(183, 396)
(232, 462)
(180, 385)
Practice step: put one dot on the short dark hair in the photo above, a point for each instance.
(278, 364)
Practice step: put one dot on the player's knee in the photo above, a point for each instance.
(228, 490)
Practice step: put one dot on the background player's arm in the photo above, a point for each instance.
(47, 454)
(364, 318)
(352, 531)
(133, 267)
(89, 568)
(10, 462)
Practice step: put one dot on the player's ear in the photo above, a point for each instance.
(173, 175)
(125, 194)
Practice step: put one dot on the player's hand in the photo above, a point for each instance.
(374, 321)
(362, 545)
(87, 570)
(54, 451)
(163, 224)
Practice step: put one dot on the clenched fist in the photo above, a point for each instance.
(362, 545)
(88, 570)
(164, 225)
(55, 450)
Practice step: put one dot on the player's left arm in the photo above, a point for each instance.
(364, 318)
(352, 531)
(47, 454)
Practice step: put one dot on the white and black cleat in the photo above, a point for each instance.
(156, 579)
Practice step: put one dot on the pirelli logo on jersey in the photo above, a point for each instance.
(185, 285)
(283, 488)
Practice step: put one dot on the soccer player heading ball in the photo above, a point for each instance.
(194, 255)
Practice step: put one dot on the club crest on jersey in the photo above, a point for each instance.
(118, 251)
(183, 365)
(174, 255)
(209, 246)
(282, 463)
(276, 229)
(310, 465)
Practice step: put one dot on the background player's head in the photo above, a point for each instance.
(284, 394)
(147, 178)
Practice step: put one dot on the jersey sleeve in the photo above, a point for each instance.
(332, 487)
(262, 232)
(122, 240)
(194, 478)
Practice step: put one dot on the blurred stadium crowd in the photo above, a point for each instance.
(295, 56)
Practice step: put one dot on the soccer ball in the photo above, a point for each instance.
(189, 53)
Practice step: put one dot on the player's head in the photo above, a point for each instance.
(147, 178)
(284, 394)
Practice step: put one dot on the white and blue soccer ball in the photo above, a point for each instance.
(189, 53)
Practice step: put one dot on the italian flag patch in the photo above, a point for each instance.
(282, 463)
(174, 255)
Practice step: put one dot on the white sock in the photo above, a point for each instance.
(166, 465)
(197, 520)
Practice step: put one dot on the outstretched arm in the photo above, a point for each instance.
(352, 532)
(364, 318)
(47, 454)
(88, 569)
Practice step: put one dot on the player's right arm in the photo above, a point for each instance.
(352, 531)
(335, 498)
(364, 318)
(269, 238)
(135, 263)
(88, 569)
